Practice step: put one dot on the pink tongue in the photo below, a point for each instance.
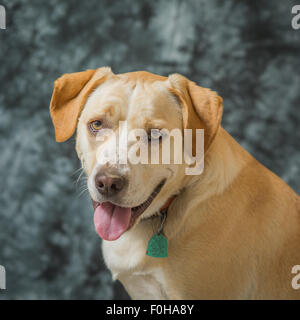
(111, 221)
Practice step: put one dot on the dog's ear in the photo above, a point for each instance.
(202, 108)
(69, 96)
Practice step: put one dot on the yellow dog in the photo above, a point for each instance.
(233, 231)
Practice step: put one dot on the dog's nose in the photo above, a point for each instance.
(109, 186)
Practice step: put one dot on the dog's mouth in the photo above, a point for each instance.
(111, 220)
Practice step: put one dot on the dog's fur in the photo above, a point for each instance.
(233, 231)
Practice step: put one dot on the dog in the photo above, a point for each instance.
(232, 232)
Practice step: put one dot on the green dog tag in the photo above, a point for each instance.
(158, 246)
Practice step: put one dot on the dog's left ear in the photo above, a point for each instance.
(70, 94)
(202, 108)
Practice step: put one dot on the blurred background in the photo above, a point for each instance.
(245, 50)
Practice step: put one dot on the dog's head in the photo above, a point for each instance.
(132, 109)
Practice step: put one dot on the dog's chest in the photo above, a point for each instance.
(145, 285)
(142, 276)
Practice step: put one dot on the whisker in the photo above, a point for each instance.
(77, 171)
(81, 173)
(82, 187)
(82, 192)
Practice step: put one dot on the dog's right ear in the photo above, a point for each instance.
(69, 96)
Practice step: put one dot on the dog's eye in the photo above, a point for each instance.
(95, 126)
(154, 134)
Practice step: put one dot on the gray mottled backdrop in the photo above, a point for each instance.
(246, 50)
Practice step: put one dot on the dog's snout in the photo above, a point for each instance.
(109, 186)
